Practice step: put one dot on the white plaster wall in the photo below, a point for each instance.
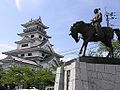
(36, 53)
(18, 46)
(37, 42)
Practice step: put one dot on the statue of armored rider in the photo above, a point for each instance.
(96, 21)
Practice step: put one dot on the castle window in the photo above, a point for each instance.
(44, 38)
(29, 54)
(32, 36)
(22, 55)
(24, 45)
(40, 37)
(43, 54)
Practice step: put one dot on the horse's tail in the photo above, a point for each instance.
(117, 31)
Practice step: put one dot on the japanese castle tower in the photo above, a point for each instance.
(34, 48)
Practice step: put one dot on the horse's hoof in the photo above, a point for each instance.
(80, 52)
(83, 55)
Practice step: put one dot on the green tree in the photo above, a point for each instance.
(26, 76)
(17, 75)
(45, 76)
(102, 49)
(116, 49)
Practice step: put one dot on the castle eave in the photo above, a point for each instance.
(10, 58)
(27, 33)
(24, 41)
(35, 22)
(58, 55)
(18, 51)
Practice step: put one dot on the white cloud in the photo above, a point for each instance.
(2, 56)
(5, 47)
(29, 4)
(17, 2)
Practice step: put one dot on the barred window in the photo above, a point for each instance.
(29, 54)
(24, 45)
(22, 55)
(32, 36)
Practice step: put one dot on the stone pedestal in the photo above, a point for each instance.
(89, 73)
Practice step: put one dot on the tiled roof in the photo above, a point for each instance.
(17, 59)
(33, 22)
(43, 43)
(17, 51)
(32, 32)
(24, 40)
(34, 48)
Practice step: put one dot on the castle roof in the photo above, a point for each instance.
(34, 48)
(35, 31)
(10, 58)
(31, 49)
(35, 22)
(24, 40)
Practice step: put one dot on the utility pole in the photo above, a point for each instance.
(109, 16)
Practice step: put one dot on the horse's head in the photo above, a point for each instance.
(74, 34)
(75, 29)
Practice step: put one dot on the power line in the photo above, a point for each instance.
(74, 51)
(65, 51)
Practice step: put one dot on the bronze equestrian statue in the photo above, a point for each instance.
(88, 33)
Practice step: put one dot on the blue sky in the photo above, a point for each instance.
(58, 15)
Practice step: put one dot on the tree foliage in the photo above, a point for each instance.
(116, 49)
(102, 50)
(26, 76)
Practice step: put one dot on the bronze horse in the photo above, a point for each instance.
(88, 35)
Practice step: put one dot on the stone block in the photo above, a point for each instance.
(118, 68)
(100, 67)
(117, 80)
(110, 69)
(91, 67)
(85, 85)
(117, 86)
(83, 71)
(104, 85)
(106, 76)
(92, 74)
(78, 85)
